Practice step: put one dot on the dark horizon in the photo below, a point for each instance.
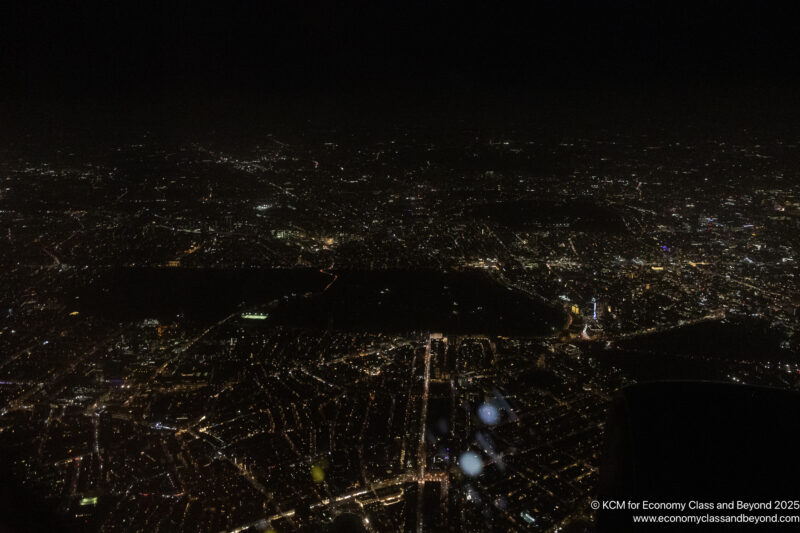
(187, 64)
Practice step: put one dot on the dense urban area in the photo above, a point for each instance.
(384, 332)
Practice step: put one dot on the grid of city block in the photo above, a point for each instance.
(362, 330)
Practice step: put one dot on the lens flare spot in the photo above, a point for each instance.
(317, 474)
(471, 464)
(488, 414)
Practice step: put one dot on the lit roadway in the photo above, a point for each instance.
(401, 479)
(192, 342)
(716, 315)
(421, 453)
(335, 277)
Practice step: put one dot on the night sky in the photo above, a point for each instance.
(192, 59)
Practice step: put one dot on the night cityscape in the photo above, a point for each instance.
(326, 279)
